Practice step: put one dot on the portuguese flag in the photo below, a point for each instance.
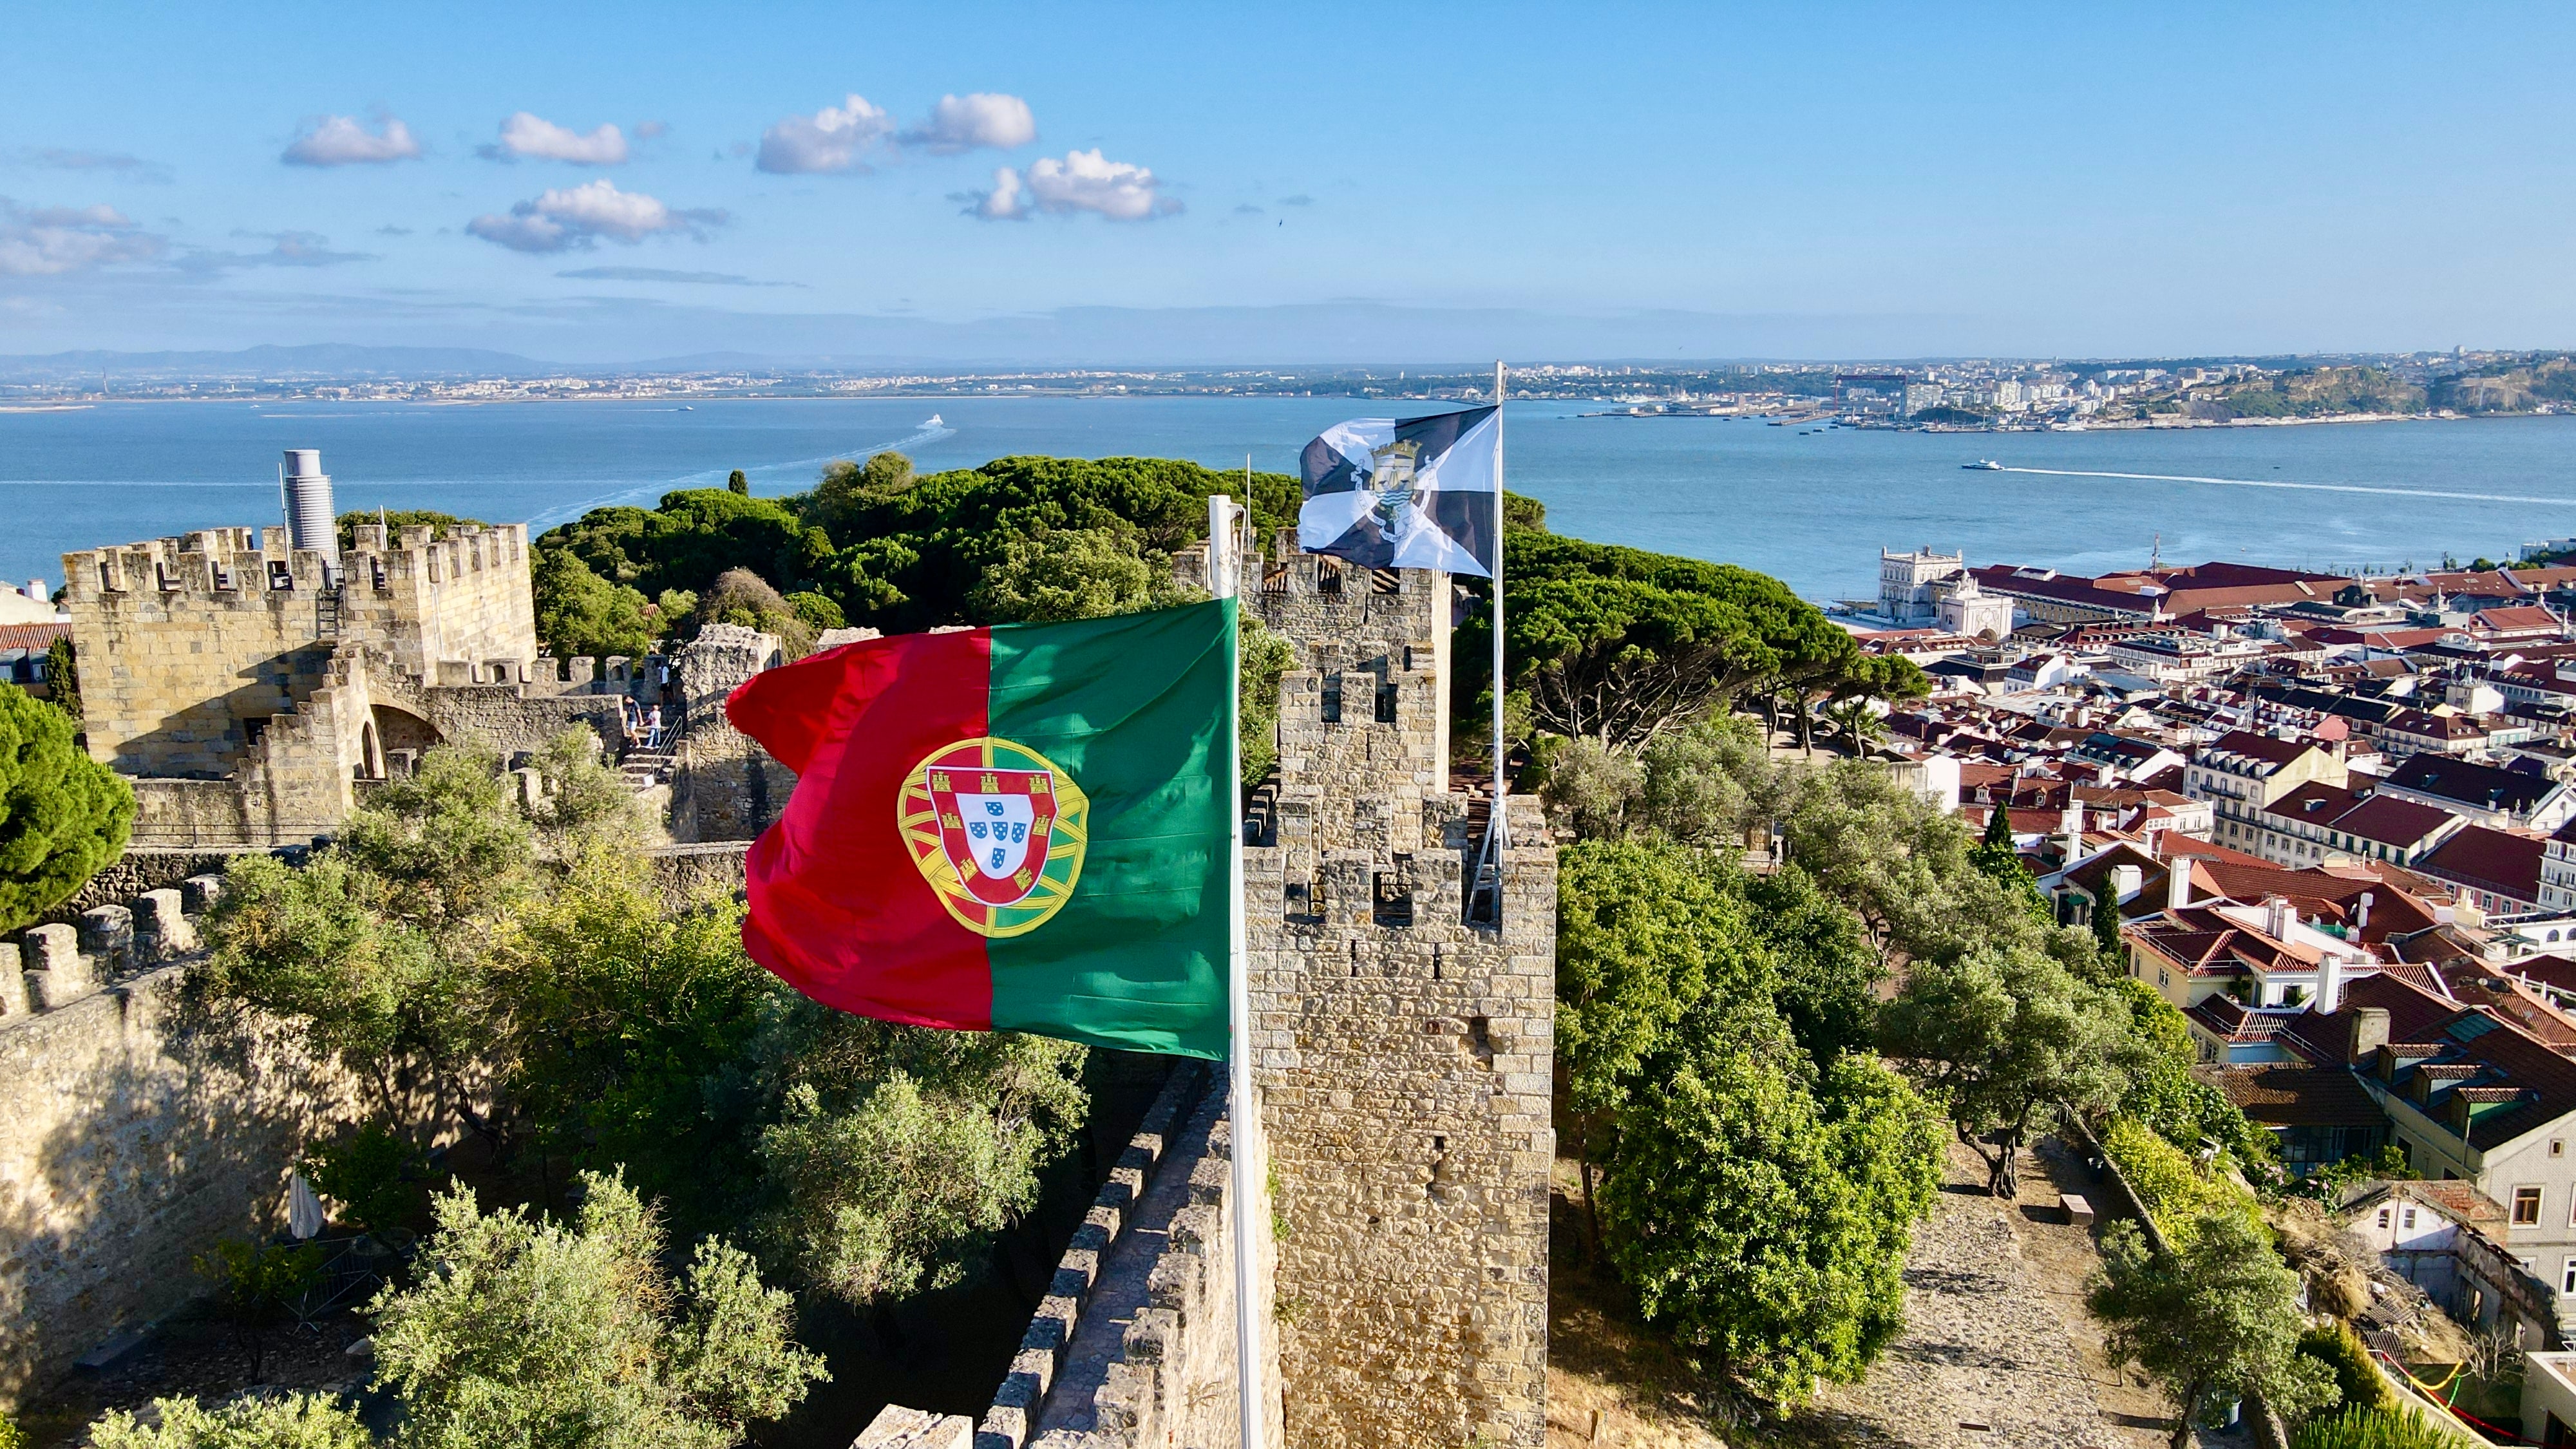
(1022, 827)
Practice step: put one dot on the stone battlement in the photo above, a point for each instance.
(141, 1128)
(50, 967)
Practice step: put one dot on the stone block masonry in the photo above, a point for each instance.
(1134, 1344)
(141, 1129)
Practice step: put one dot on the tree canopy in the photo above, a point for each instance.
(1622, 645)
(63, 816)
(525, 1332)
(900, 551)
(1758, 1176)
(2216, 1319)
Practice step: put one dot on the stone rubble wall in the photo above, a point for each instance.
(724, 786)
(141, 1129)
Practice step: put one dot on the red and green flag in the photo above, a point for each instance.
(1020, 827)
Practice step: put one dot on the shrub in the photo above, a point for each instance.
(367, 1173)
(2337, 1347)
(295, 1421)
(2374, 1429)
(2168, 1183)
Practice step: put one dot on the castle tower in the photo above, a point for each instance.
(1403, 1057)
(247, 683)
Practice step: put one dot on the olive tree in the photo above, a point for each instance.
(522, 1331)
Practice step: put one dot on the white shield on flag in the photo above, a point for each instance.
(997, 832)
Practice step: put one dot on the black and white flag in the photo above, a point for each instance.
(1406, 493)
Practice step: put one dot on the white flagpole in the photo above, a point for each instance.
(1489, 868)
(1502, 832)
(1225, 575)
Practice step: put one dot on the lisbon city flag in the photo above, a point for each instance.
(1022, 827)
(1406, 493)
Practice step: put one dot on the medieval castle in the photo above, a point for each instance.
(253, 684)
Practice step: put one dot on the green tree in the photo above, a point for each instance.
(368, 1173)
(1591, 788)
(1762, 1220)
(1997, 1036)
(318, 948)
(525, 1332)
(580, 613)
(1908, 869)
(1265, 658)
(901, 1153)
(2165, 1095)
(2216, 1320)
(735, 482)
(63, 816)
(1708, 783)
(2106, 926)
(1065, 573)
(290, 1421)
(62, 681)
(1827, 975)
(1624, 645)
(629, 1031)
(1643, 935)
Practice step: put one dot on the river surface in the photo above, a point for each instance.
(1812, 506)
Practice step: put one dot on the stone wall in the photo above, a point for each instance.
(1134, 1345)
(684, 873)
(141, 1129)
(189, 645)
(724, 786)
(1403, 1054)
(140, 869)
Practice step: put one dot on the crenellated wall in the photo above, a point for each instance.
(140, 1130)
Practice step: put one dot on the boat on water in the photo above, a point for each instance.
(1983, 465)
(934, 422)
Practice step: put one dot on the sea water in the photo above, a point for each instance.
(1810, 504)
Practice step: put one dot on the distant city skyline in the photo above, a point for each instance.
(1164, 184)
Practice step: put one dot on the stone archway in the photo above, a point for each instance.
(398, 737)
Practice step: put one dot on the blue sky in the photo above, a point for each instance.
(1306, 183)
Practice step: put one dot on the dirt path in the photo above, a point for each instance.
(1998, 1350)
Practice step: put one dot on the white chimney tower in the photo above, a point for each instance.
(2177, 882)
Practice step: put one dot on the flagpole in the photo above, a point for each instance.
(1489, 869)
(1225, 576)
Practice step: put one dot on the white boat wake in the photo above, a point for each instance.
(715, 477)
(2304, 487)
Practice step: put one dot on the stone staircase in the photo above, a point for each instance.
(644, 769)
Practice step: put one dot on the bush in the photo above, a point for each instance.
(2374, 1429)
(2357, 1383)
(295, 1421)
(2168, 1183)
(367, 1173)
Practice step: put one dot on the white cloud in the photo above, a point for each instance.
(835, 138)
(342, 141)
(64, 158)
(1005, 202)
(1087, 181)
(560, 219)
(525, 134)
(47, 241)
(287, 249)
(964, 123)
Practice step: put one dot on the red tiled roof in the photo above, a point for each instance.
(2488, 860)
(35, 638)
(2298, 1094)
